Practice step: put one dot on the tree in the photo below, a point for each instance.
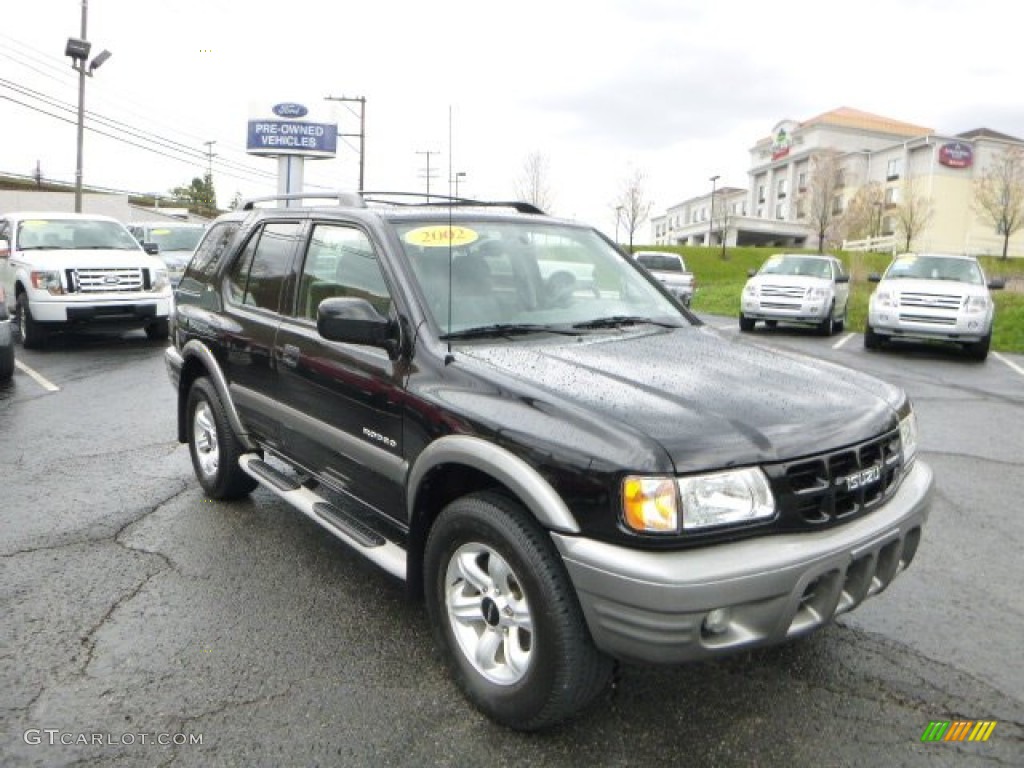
(200, 195)
(913, 213)
(820, 199)
(532, 186)
(722, 216)
(863, 215)
(632, 206)
(999, 194)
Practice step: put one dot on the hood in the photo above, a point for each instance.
(934, 287)
(802, 281)
(708, 401)
(99, 258)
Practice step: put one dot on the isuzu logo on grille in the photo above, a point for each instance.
(861, 479)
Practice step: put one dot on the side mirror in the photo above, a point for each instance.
(151, 248)
(751, 272)
(5, 248)
(355, 321)
(843, 279)
(995, 284)
(874, 277)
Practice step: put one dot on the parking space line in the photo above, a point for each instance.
(843, 340)
(37, 377)
(1010, 363)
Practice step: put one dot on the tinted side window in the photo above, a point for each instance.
(209, 252)
(341, 262)
(257, 276)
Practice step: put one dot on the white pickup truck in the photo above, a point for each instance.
(670, 269)
(59, 270)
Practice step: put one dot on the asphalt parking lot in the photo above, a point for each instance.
(140, 618)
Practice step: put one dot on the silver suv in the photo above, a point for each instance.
(797, 288)
(933, 297)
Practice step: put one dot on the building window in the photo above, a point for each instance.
(837, 205)
(887, 226)
(892, 169)
(800, 209)
(780, 211)
(781, 189)
(801, 181)
(892, 197)
(760, 193)
(841, 178)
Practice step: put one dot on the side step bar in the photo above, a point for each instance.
(344, 525)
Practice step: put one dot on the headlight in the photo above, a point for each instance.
(817, 293)
(908, 438)
(977, 304)
(750, 289)
(724, 498)
(649, 504)
(47, 281)
(885, 299)
(160, 279)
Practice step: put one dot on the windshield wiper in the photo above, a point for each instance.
(616, 321)
(504, 329)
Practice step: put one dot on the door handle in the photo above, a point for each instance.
(290, 355)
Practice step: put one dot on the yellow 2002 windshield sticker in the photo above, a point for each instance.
(440, 236)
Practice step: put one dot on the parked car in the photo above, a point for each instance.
(565, 476)
(933, 297)
(670, 269)
(797, 288)
(175, 241)
(6, 340)
(61, 270)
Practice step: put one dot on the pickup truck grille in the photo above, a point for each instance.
(112, 280)
(784, 291)
(837, 486)
(931, 300)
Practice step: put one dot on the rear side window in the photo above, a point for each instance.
(257, 276)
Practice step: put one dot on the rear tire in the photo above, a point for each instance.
(32, 334)
(505, 615)
(213, 445)
(746, 324)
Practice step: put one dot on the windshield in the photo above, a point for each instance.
(935, 268)
(796, 265)
(67, 234)
(661, 262)
(175, 238)
(533, 275)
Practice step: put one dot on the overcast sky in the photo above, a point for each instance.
(677, 89)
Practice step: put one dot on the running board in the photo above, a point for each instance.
(342, 523)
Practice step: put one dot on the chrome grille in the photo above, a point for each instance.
(113, 280)
(928, 319)
(931, 300)
(783, 291)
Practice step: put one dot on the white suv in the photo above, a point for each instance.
(932, 297)
(797, 288)
(65, 269)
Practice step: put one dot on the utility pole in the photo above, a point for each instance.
(711, 218)
(428, 174)
(361, 101)
(211, 201)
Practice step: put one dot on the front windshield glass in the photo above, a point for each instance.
(796, 265)
(914, 267)
(176, 238)
(532, 275)
(67, 234)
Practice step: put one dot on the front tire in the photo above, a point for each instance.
(978, 350)
(871, 339)
(7, 363)
(159, 330)
(213, 445)
(506, 617)
(32, 334)
(746, 324)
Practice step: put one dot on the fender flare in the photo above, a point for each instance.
(196, 349)
(522, 479)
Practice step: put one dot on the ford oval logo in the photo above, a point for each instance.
(289, 109)
(112, 280)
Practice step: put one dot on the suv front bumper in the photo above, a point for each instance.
(930, 324)
(813, 311)
(652, 606)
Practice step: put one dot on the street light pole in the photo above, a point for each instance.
(711, 217)
(77, 50)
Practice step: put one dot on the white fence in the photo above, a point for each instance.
(880, 244)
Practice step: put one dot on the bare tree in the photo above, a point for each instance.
(821, 198)
(532, 186)
(863, 215)
(999, 194)
(632, 205)
(913, 213)
(722, 218)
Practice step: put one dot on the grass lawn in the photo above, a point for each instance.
(720, 282)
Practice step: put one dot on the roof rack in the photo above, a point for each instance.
(447, 200)
(348, 199)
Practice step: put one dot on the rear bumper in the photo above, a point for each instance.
(651, 606)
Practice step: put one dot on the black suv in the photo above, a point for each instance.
(505, 411)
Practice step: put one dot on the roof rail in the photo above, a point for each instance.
(348, 199)
(446, 200)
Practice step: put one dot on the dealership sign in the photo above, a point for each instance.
(284, 133)
(956, 154)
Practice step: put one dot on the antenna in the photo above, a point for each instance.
(449, 357)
